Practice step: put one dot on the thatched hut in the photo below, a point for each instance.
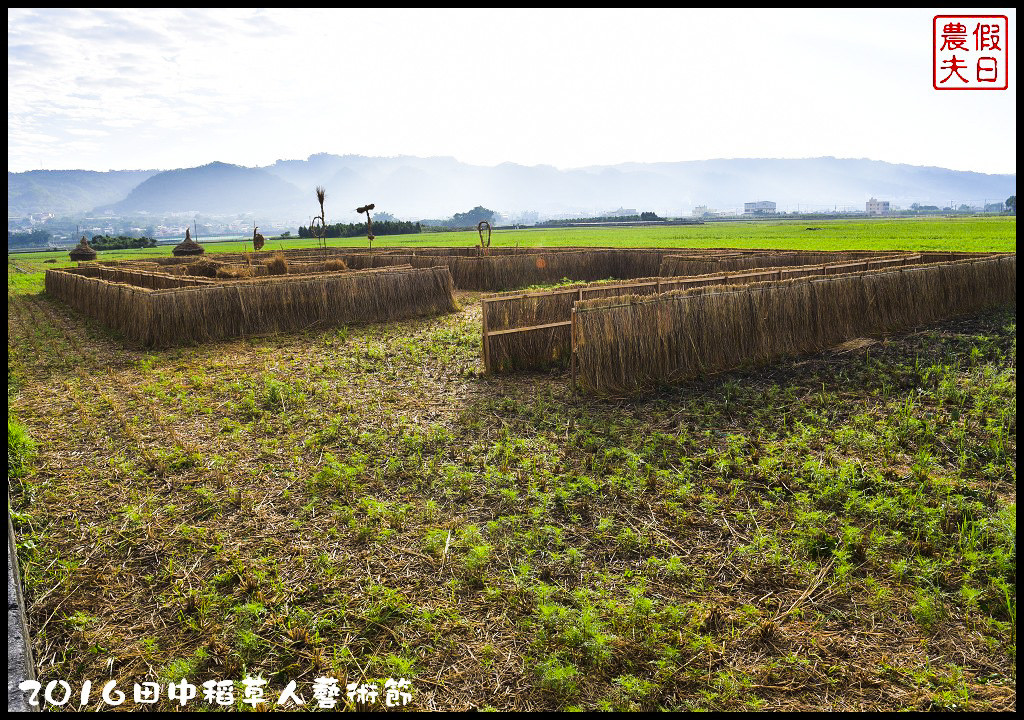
(82, 251)
(188, 247)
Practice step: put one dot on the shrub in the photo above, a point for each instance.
(20, 449)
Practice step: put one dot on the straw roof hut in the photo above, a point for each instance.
(188, 247)
(82, 251)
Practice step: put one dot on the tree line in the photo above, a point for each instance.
(121, 242)
(384, 227)
(37, 238)
(466, 220)
(642, 217)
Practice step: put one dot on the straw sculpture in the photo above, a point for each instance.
(369, 223)
(628, 344)
(319, 224)
(200, 311)
(82, 252)
(187, 247)
(258, 241)
(480, 230)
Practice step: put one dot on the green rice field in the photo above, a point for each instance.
(966, 234)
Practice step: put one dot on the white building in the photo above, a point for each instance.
(761, 207)
(877, 207)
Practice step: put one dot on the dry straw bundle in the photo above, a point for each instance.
(256, 306)
(277, 265)
(627, 344)
(238, 271)
(204, 268)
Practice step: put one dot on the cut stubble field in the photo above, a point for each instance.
(833, 532)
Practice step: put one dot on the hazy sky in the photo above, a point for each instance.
(144, 89)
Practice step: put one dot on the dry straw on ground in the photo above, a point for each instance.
(631, 343)
(238, 271)
(203, 268)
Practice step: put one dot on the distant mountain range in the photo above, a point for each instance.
(66, 192)
(217, 188)
(413, 187)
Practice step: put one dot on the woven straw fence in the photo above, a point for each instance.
(231, 308)
(628, 344)
(540, 319)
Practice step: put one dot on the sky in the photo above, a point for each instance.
(161, 89)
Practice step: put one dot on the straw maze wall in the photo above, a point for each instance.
(622, 345)
(517, 270)
(493, 273)
(117, 293)
(680, 265)
(498, 269)
(151, 309)
(523, 331)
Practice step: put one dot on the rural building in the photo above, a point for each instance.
(761, 207)
(877, 207)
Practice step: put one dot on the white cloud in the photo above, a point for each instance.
(562, 87)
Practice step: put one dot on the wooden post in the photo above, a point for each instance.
(572, 351)
(572, 344)
(483, 319)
